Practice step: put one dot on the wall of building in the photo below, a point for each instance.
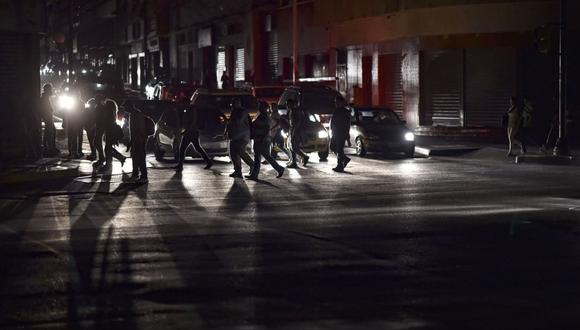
(19, 77)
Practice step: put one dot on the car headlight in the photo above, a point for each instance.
(322, 134)
(66, 102)
(284, 134)
(409, 136)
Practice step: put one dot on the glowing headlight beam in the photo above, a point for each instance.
(322, 134)
(409, 136)
(66, 102)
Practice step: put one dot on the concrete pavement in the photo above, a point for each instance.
(440, 243)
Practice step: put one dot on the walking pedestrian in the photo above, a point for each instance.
(193, 122)
(296, 120)
(100, 126)
(113, 134)
(238, 132)
(46, 114)
(262, 144)
(514, 125)
(278, 124)
(340, 128)
(138, 126)
(89, 124)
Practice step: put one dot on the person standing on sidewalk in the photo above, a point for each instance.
(514, 125)
(193, 123)
(340, 127)
(262, 144)
(238, 131)
(46, 114)
(296, 116)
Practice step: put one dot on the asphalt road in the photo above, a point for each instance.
(445, 243)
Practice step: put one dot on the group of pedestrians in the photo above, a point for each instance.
(98, 118)
(266, 132)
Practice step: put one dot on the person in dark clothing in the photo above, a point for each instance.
(192, 124)
(262, 144)
(74, 125)
(100, 126)
(46, 113)
(138, 143)
(238, 131)
(113, 134)
(340, 127)
(89, 123)
(296, 116)
(277, 125)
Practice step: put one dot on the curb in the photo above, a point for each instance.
(544, 159)
(444, 151)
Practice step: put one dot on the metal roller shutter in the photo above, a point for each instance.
(392, 83)
(442, 95)
(272, 51)
(490, 81)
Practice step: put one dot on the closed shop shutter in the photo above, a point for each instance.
(490, 75)
(272, 51)
(442, 95)
(391, 83)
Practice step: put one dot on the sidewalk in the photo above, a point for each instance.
(489, 151)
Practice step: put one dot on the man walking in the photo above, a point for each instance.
(238, 132)
(277, 125)
(262, 143)
(296, 116)
(193, 123)
(340, 127)
(138, 128)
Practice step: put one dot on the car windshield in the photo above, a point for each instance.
(318, 101)
(223, 102)
(378, 117)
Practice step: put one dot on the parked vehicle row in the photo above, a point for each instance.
(372, 129)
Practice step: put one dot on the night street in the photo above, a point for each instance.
(468, 242)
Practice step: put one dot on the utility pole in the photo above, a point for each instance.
(70, 40)
(146, 75)
(561, 148)
(295, 41)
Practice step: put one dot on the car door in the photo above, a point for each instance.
(168, 129)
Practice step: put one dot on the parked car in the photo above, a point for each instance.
(221, 100)
(90, 85)
(150, 108)
(379, 130)
(268, 94)
(175, 91)
(315, 137)
(315, 99)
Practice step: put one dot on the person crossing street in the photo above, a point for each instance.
(340, 127)
(262, 144)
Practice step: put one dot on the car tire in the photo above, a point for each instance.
(323, 155)
(410, 153)
(157, 150)
(361, 150)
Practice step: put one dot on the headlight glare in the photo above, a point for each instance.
(409, 137)
(322, 134)
(66, 102)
